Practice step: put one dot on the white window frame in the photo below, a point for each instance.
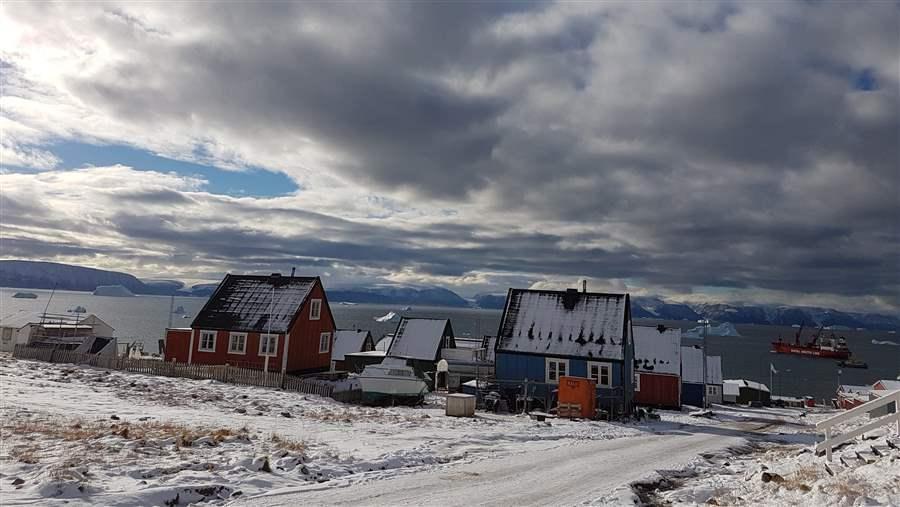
(559, 372)
(637, 382)
(324, 338)
(204, 335)
(261, 341)
(231, 339)
(599, 376)
(315, 309)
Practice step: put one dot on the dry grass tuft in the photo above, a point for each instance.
(24, 454)
(288, 444)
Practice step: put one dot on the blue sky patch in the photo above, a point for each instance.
(253, 182)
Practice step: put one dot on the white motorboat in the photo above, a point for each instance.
(392, 383)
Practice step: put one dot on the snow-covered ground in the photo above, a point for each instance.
(80, 435)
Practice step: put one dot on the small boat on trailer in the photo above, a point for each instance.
(391, 382)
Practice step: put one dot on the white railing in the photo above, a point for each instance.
(831, 441)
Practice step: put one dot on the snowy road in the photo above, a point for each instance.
(574, 473)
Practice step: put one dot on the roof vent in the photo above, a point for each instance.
(275, 278)
(570, 298)
(661, 328)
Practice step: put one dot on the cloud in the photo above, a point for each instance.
(672, 146)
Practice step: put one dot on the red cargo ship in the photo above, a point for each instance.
(832, 348)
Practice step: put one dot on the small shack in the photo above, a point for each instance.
(714, 379)
(348, 341)
(742, 392)
(692, 383)
(849, 396)
(657, 366)
(420, 341)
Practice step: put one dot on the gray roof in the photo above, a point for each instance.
(419, 338)
(248, 303)
(347, 341)
(564, 323)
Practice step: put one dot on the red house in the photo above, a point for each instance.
(277, 323)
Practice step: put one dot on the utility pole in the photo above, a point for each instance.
(269, 331)
(704, 323)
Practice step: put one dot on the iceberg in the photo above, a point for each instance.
(386, 317)
(885, 342)
(723, 329)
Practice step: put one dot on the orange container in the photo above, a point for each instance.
(577, 397)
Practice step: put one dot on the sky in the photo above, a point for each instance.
(701, 151)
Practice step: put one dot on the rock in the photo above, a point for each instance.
(772, 477)
(17, 481)
(114, 417)
(286, 414)
(241, 410)
(304, 470)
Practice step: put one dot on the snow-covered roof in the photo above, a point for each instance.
(713, 369)
(420, 338)
(692, 365)
(347, 341)
(20, 319)
(732, 386)
(847, 388)
(564, 323)
(248, 303)
(889, 385)
(384, 344)
(657, 349)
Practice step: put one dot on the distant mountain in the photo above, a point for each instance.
(49, 275)
(428, 296)
(490, 301)
(657, 308)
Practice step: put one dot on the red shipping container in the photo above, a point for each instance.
(578, 391)
(657, 390)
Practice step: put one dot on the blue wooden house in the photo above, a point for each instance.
(545, 335)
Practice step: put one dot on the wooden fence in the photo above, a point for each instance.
(221, 373)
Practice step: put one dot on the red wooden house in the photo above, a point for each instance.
(278, 323)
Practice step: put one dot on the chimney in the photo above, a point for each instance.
(293, 270)
(584, 286)
(570, 298)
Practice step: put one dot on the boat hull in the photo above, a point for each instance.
(385, 390)
(802, 350)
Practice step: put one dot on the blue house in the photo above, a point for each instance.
(545, 335)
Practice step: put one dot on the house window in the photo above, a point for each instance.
(556, 368)
(237, 343)
(601, 373)
(324, 343)
(207, 341)
(637, 382)
(268, 344)
(315, 309)
(712, 390)
(7, 334)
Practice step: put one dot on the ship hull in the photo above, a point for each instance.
(801, 350)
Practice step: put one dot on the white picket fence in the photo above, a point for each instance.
(831, 441)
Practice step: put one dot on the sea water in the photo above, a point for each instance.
(144, 319)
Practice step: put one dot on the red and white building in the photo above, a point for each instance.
(278, 323)
(657, 366)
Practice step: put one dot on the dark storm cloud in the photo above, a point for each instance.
(726, 145)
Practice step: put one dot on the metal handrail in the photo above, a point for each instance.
(890, 397)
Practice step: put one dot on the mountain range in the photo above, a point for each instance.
(47, 275)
